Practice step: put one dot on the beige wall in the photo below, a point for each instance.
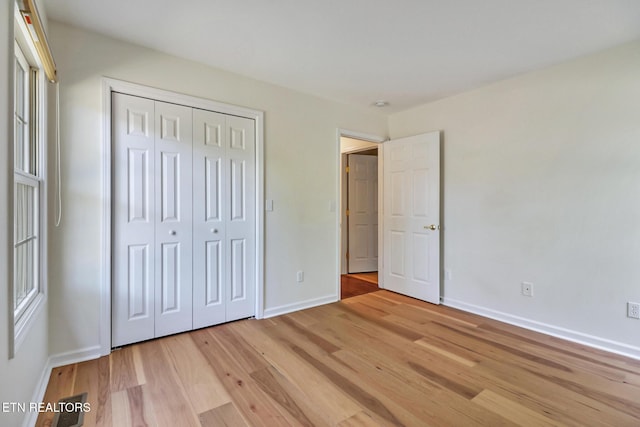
(542, 184)
(300, 163)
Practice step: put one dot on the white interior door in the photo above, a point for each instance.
(134, 207)
(240, 218)
(363, 213)
(412, 216)
(174, 231)
(152, 239)
(210, 192)
(224, 218)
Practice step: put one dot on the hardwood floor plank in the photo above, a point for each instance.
(170, 404)
(123, 369)
(103, 411)
(256, 407)
(132, 408)
(202, 388)
(87, 380)
(350, 388)
(324, 344)
(422, 315)
(443, 381)
(303, 318)
(511, 410)
(120, 411)
(140, 406)
(309, 408)
(367, 314)
(226, 415)
(361, 419)
(466, 362)
(266, 380)
(242, 352)
(506, 352)
(442, 341)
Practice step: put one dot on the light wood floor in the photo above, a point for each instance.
(375, 359)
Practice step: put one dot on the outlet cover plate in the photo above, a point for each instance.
(527, 289)
(633, 310)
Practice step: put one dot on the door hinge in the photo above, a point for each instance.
(348, 212)
(347, 169)
(347, 255)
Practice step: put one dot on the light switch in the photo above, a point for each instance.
(269, 205)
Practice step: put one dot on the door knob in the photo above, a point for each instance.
(431, 227)
(214, 230)
(172, 232)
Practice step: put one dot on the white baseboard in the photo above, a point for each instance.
(82, 355)
(556, 331)
(31, 417)
(55, 361)
(289, 308)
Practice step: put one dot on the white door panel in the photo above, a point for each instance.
(209, 233)
(240, 227)
(173, 225)
(363, 213)
(411, 210)
(133, 213)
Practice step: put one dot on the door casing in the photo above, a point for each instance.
(341, 161)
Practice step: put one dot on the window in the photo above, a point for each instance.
(28, 185)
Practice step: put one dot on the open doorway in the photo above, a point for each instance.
(359, 243)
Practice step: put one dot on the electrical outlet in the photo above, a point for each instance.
(633, 310)
(300, 276)
(527, 289)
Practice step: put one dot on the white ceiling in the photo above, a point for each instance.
(406, 52)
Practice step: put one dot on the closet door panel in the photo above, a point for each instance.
(133, 219)
(209, 201)
(240, 211)
(173, 221)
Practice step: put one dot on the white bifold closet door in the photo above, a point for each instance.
(183, 218)
(224, 218)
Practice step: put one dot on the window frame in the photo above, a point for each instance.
(25, 314)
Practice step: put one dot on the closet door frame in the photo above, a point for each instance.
(109, 86)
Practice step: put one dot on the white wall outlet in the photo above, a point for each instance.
(447, 274)
(527, 289)
(633, 310)
(300, 276)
